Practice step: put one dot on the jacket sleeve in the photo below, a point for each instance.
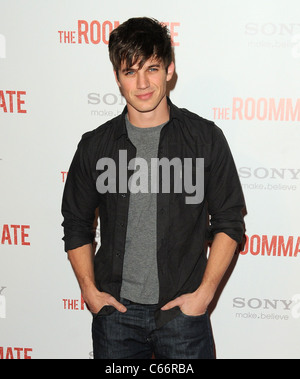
(80, 200)
(226, 204)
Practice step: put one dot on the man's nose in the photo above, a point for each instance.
(142, 80)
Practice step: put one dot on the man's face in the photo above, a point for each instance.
(144, 88)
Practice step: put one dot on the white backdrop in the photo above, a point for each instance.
(237, 64)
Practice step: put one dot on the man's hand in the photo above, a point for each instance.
(191, 304)
(96, 300)
(196, 303)
(82, 260)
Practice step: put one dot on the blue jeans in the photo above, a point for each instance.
(133, 335)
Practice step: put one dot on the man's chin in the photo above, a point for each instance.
(147, 106)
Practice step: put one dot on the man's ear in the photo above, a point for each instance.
(171, 70)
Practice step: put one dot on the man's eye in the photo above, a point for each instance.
(129, 73)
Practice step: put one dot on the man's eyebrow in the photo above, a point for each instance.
(155, 65)
(127, 69)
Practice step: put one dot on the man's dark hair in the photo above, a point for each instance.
(138, 40)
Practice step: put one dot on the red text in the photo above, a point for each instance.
(266, 109)
(15, 235)
(74, 304)
(15, 353)
(96, 32)
(272, 246)
(261, 109)
(12, 101)
(64, 175)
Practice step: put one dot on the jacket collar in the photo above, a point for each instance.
(175, 113)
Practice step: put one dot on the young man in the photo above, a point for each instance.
(150, 283)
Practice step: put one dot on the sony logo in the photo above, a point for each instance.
(256, 303)
(271, 173)
(271, 29)
(106, 98)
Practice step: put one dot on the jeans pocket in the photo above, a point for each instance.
(104, 311)
(196, 317)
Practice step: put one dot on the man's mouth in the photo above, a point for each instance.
(145, 96)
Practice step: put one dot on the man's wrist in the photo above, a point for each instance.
(205, 294)
(88, 290)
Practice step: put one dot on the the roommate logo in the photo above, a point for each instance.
(161, 175)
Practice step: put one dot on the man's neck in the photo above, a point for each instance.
(159, 116)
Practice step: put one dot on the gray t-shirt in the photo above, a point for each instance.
(140, 276)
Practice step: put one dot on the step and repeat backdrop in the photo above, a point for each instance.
(238, 64)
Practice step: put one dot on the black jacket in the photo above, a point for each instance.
(182, 229)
